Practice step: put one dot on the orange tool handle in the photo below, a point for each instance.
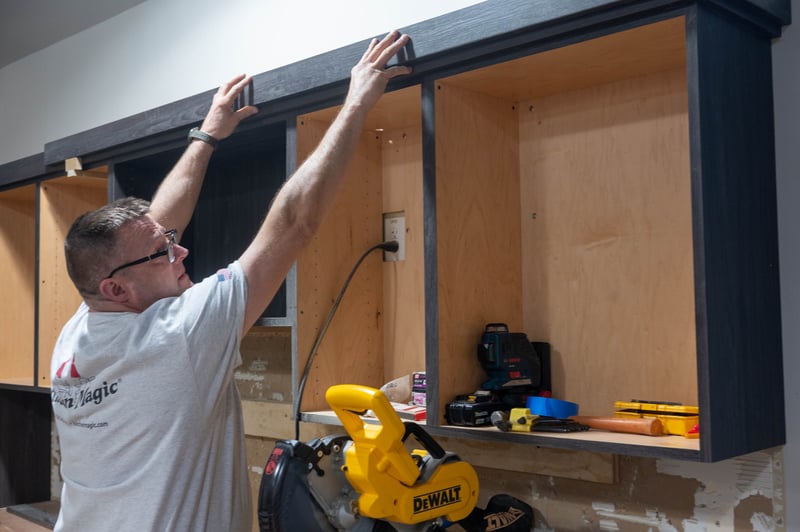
(647, 426)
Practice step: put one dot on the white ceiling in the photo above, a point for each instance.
(27, 26)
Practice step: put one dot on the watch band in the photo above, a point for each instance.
(196, 133)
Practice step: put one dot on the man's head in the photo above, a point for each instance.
(120, 259)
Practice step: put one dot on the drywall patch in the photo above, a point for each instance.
(609, 519)
(754, 513)
(726, 485)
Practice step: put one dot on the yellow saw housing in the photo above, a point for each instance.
(391, 483)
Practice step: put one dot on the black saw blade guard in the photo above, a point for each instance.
(284, 502)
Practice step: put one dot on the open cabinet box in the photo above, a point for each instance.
(564, 209)
(42, 217)
(378, 331)
(559, 192)
(62, 200)
(18, 262)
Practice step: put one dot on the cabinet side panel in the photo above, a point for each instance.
(478, 229)
(17, 259)
(351, 351)
(733, 153)
(403, 281)
(62, 200)
(607, 240)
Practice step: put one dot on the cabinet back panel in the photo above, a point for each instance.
(62, 200)
(478, 229)
(351, 351)
(403, 281)
(17, 260)
(607, 240)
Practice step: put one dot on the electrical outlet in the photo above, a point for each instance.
(394, 228)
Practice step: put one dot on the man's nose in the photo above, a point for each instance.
(180, 252)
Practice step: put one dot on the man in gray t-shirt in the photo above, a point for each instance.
(148, 416)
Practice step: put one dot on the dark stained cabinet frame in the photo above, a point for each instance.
(734, 219)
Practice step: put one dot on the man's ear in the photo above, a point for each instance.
(113, 290)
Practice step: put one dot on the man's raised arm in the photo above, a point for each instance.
(176, 197)
(302, 202)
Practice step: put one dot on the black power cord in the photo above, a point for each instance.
(391, 246)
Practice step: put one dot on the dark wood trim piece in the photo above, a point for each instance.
(25, 171)
(769, 15)
(735, 232)
(459, 37)
(36, 284)
(430, 246)
(24, 388)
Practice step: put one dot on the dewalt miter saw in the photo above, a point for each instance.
(367, 480)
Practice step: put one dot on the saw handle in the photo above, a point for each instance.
(383, 442)
(649, 426)
(424, 438)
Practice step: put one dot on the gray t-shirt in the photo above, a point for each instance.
(148, 415)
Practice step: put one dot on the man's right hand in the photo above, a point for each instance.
(369, 76)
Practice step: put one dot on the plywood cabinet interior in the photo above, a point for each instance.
(31, 325)
(563, 207)
(564, 210)
(62, 201)
(18, 262)
(377, 333)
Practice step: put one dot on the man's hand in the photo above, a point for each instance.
(299, 208)
(221, 119)
(176, 197)
(369, 76)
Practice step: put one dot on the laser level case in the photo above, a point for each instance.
(512, 361)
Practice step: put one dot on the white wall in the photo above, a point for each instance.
(163, 50)
(786, 79)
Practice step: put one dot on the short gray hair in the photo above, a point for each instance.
(92, 239)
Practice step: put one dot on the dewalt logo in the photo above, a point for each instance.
(437, 499)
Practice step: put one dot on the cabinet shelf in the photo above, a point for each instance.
(592, 440)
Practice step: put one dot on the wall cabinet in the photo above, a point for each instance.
(38, 297)
(571, 193)
(597, 174)
(34, 220)
(18, 260)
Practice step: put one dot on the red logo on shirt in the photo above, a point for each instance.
(69, 365)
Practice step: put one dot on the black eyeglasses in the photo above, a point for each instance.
(169, 251)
